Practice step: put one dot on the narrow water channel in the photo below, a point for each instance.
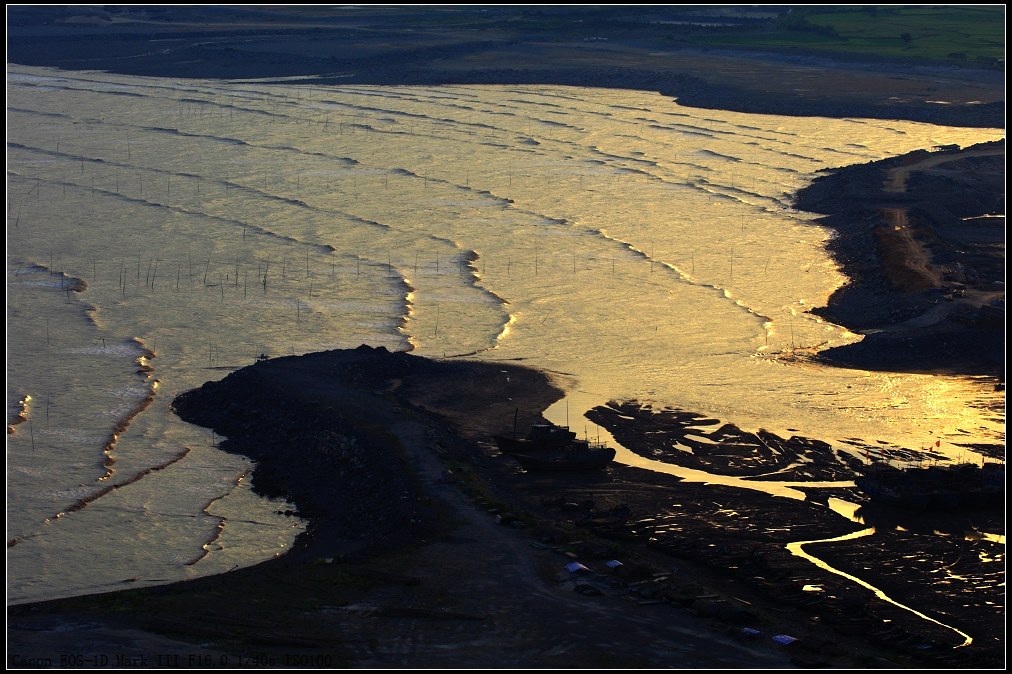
(576, 405)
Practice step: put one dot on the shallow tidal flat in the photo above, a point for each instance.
(162, 233)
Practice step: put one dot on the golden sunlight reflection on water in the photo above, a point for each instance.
(646, 250)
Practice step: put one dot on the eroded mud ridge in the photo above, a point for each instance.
(915, 568)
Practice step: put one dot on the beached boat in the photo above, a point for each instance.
(579, 455)
(548, 447)
(541, 437)
(958, 486)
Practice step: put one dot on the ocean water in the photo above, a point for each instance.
(163, 232)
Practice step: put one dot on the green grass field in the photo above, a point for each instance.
(958, 34)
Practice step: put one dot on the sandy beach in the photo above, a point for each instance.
(427, 548)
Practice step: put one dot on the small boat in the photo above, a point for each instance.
(548, 447)
(540, 438)
(577, 456)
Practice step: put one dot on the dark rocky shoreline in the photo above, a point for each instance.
(326, 454)
(949, 213)
(309, 458)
